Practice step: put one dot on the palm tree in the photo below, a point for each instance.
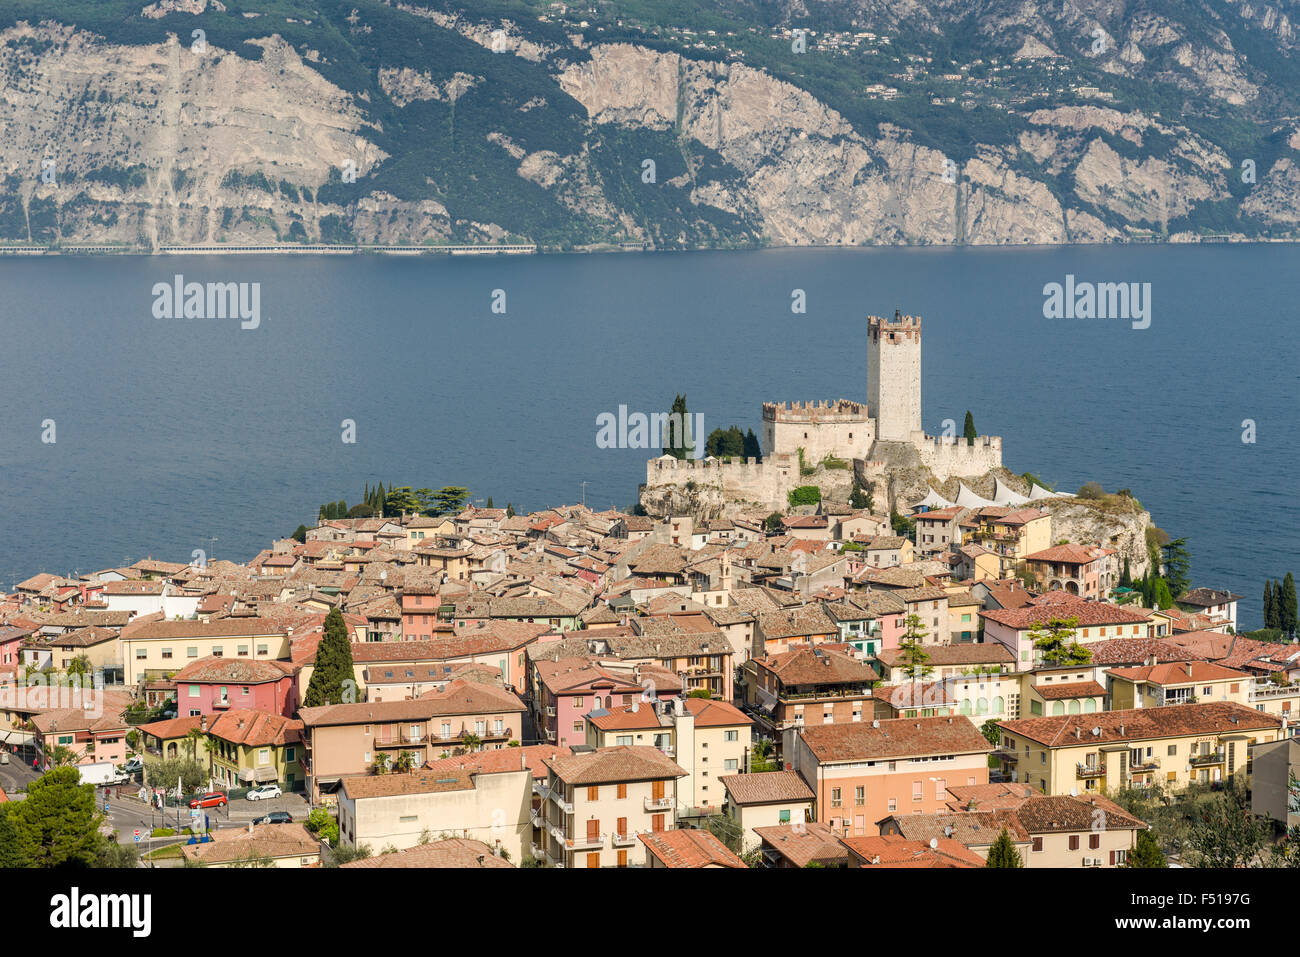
(471, 741)
(192, 737)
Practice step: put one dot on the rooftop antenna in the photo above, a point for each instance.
(584, 494)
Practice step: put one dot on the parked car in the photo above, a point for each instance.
(211, 799)
(275, 817)
(264, 791)
(133, 766)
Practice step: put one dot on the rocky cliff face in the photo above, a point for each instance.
(479, 131)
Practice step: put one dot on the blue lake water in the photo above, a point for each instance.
(173, 433)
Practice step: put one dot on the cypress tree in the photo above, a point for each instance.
(489, 504)
(1270, 608)
(678, 441)
(968, 429)
(752, 448)
(1287, 612)
(1003, 853)
(1126, 579)
(510, 510)
(333, 680)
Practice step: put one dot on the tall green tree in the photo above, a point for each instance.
(1177, 566)
(1126, 577)
(753, 450)
(448, 500)
(57, 825)
(968, 429)
(300, 534)
(911, 653)
(1146, 852)
(333, 680)
(11, 851)
(1270, 606)
(403, 499)
(1287, 612)
(678, 441)
(860, 497)
(510, 510)
(1003, 852)
(1225, 833)
(1055, 642)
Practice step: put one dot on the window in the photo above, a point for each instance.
(1173, 750)
(1038, 844)
(860, 795)
(264, 756)
(577, 726)
(622, 791)
(577, 701)
(289, 754)
(785, 817)
(893, 804)
(216, 651)
(242, 651)
(732, 736)
(1094, 841)
(593, 793)
(166, 653)
(194, 691)
(623, 739)
(730, 765)
(141, 654)
(262, 649)
(1074, 842)
(191, 652)
(835, 797)
(918, 790)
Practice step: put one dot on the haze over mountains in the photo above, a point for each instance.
(680, 126)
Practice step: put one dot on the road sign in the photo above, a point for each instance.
(137, 835)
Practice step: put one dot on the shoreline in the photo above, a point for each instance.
(532, 249)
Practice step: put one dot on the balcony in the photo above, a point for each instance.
(394, 739)
(585, 842)
(624, 840)
(1143, 764)
(537, 817)
(565, 804)
(1202, 760)
(222, 703)
(1269, 690)
(550, 711)
(1090, 770)
(659, 804)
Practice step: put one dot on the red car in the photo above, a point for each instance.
(211, 799)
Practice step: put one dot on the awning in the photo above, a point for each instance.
(16, 737)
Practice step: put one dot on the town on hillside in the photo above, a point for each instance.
(574, 688)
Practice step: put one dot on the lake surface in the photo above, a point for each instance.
(173, 433)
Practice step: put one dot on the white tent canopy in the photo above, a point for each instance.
(1037, 492)
(932, 500)
(1005, 495)
(968, 499)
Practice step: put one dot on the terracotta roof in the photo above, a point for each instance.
(893, 850)
(817, 666)
(1130, 651)
(221, 628)
(689, 847)
(1175, 673)
(255, 728)
(1069, 554)
(894, 738)
(1216, 717)
(960, 654)
(529, 757)
(266, 840)
(1089, 613)
(1075, 689)
(173, 727)
(450, 852)
(610, 765)
(768, 787)
(234, 671)
(802, 844)
(360, 786)
(1045, 813)
(1207, 597)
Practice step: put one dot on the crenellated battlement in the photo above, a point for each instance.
(820, 410)
(957, 441)
(899, 329)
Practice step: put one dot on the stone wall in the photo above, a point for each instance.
(948, 457)
(841, 428)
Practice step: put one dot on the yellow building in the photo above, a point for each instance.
(766, 799)
(1011, 535)
(1177, 682)
(163, 647)
(1118, 749)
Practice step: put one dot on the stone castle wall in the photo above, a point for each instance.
(749, 481)
(841, 428)
(894, 375)
(949, 457)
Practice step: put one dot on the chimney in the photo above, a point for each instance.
(203, 723)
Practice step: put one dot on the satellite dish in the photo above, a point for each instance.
(934, 843)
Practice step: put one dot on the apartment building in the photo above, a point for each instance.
(597, 802)
(1093, 753)
(861, 773)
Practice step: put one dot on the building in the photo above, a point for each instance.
(895, 851)
(598, 801)
(1013, 627)
(800, 845)
(247, 748)
(88, 736)
(211, 685)
(687, 848)
(861, 773)
(399, 810)
(347, 739)
(1275, 781)
(282, 845)
(1181, 682)
(1219, 606)
(707, 738)
(808, 685)
(1088, 571)
(159, 648)
(457, 852)
(1117, 749)
(766, 799)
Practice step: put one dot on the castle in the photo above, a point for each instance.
(870, 436)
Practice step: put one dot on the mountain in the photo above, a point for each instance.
(677, 125)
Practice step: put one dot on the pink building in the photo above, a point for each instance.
(567, 689)
(214, 685)
(91, 738)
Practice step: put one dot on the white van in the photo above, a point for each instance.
(101, 774)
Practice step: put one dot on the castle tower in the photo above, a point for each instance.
(894, 375)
